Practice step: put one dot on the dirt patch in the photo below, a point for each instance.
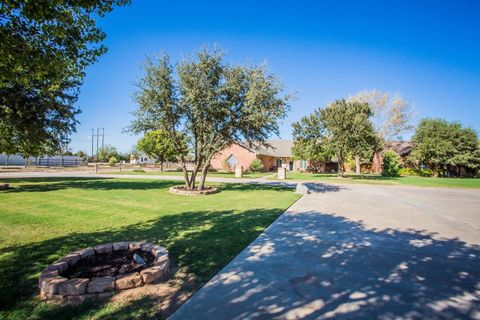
(109, 264)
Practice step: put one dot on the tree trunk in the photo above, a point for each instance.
(25, 164)
(203, 177)
(6, 159)
(436, 170)
(161, 165)
(340, 167)
(357, 165)
(185, 176)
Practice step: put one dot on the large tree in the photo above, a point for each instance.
(210, 103)
(443, 145)
(159, 145)
(45, 47)
(392, 114)
(342, 128)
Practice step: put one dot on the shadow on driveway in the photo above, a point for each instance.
(318, 266)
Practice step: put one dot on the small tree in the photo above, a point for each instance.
(256, 165)
(391, 164)
(107, 152)
(159, 145)
(112, 161)
(81, 154)
(308, 139)
(211, 105)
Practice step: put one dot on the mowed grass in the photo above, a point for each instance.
(247, 175)
(375, 179)
(43, 219)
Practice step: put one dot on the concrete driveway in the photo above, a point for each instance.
(356, 251)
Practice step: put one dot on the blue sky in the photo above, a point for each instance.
(321, 50)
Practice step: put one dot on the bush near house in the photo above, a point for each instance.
(391, 164)
(425, 173)
(256, 165)
(408, 172)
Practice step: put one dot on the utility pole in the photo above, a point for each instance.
(103, 136)
(98, 134)
(93, 135)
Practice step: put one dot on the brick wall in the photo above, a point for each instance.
(244, 158)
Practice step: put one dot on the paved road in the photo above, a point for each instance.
(356, 251)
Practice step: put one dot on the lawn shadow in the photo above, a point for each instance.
(60, 183)
(200, 243)
(54, 184)
(320, 266)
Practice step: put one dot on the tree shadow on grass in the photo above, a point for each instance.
(200, 242)
(55, 183)
(314, 265)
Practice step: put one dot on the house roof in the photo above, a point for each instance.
(279, 148)
(403, 148)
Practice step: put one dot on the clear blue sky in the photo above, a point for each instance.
(322, 50)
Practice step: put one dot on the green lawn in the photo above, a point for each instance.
(375, 179)
(249, 175)
(43, 219)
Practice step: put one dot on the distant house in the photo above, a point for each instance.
(240, 154)
(141, 159)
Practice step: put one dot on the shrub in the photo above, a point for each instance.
(425, 172)
(391, 164)
(256, 165)
(408, 172)
(112, 161)
(139, 170)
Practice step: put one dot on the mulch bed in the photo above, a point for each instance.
(109, 264)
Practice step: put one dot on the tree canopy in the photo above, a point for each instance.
(45, 47)
(441, 145)
(309, 139)
(342, 128)
(392, 114)
(159, 145)
(210, 103)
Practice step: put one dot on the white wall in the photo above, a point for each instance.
(18, 160)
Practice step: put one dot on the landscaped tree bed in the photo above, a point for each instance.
(99, 271)
(194, 192)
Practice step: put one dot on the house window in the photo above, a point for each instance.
(279, 162)
(232, 161)
(303, 164)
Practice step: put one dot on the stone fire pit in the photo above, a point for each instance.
(99, 271)
(204, 192)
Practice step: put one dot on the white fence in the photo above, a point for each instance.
(48, 161)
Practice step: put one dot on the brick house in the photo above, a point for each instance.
(240, 154)
(403, 148)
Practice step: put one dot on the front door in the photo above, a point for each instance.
(290, 165)
(279, 163)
